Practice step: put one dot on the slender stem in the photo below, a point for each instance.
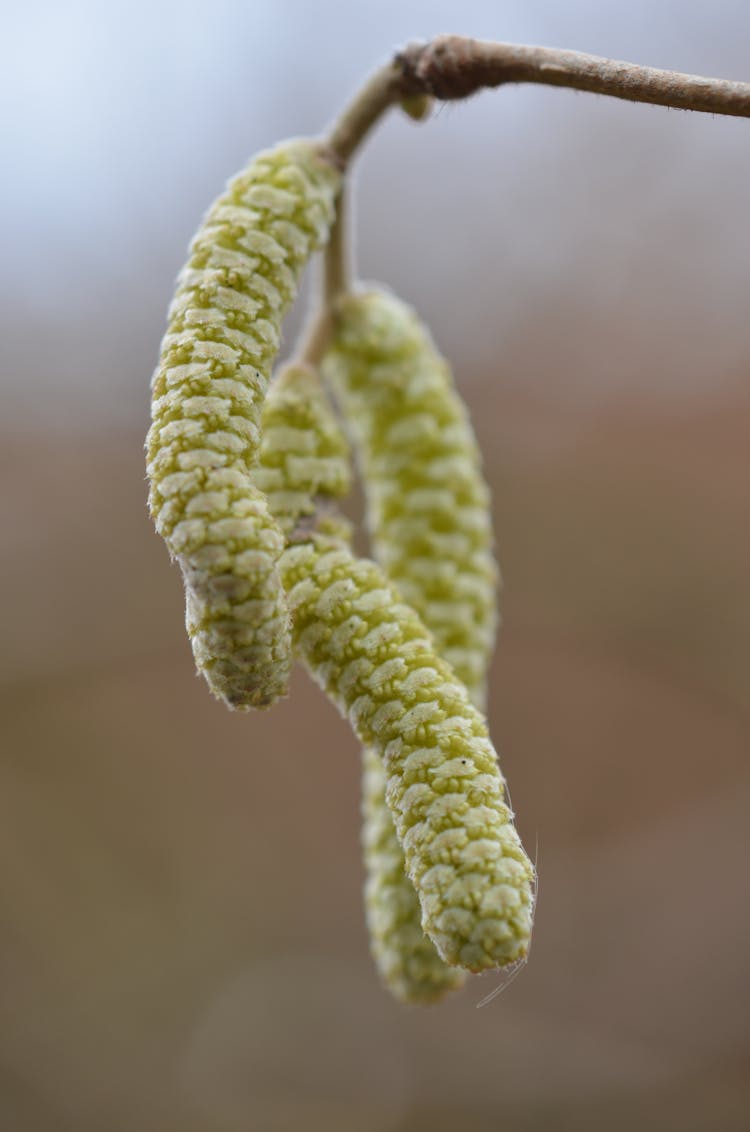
(313, 342)
(337, 267)
(335, 282)
(386, 86)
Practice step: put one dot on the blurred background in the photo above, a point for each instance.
(181, 931)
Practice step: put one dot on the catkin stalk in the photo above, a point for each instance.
(208, 391)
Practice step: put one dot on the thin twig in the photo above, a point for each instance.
(453, 67)
(337, 264)
(317, 331)
(313, 341)
(382, 89)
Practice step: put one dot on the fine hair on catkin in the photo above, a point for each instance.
(376, 660)
(421, 479)
(207, 395)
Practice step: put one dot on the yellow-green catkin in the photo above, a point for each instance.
(420, 459)
(374, 657)
(378, 663)
(208, 390)
(428, 505)
(304, 456)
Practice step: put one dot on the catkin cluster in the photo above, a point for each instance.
(208, 391)
(244, 480)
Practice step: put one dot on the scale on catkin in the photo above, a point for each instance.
(208, 391)
(375, 659)
(429, 521)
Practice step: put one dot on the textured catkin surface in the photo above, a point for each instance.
(376, 660)
(413, 436)
(304, 455)
(407, 960)
(208, 392)
(428, 506)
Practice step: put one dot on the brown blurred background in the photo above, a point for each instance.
(181, 935)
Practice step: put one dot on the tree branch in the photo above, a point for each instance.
(453, 67)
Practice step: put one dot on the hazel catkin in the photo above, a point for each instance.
(375, 659)
(207, 395)
(428, 506)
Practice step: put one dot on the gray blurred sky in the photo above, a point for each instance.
(548, 236)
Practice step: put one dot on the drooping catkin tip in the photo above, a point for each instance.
(405, 957)
(483, 919)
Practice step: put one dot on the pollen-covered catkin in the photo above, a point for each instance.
(208, 391)
(399, 396)
(376, 660)
(428, 506)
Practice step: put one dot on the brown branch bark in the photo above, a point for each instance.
(454, 67)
